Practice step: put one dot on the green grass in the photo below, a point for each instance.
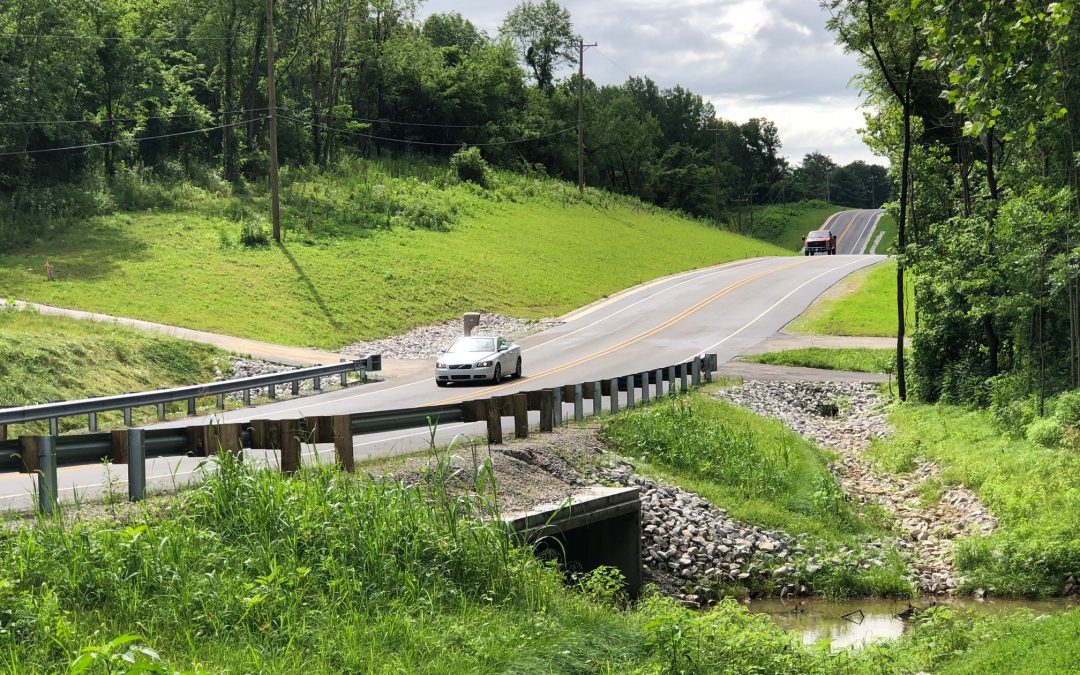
(44, 359)
(371, 249)
(1033, 491)
(887, 224)
(864, 305)
(761, 473)
(786, 224)
(856, 360)
(1023, 643)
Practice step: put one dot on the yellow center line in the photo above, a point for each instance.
(635, 339)
(847, 228)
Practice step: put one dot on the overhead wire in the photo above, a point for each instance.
(428, 143)
(141, 139)
(126, 119)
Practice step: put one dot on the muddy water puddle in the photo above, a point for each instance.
(857, 623)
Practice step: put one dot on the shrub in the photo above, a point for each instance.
(1067, 408)
(1046, 432)
(254, 233)
(470, 167)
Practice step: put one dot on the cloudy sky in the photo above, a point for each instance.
(751, 58)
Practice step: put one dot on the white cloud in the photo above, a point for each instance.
(752, 58)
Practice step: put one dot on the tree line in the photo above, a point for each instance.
(977, 110)
(91, 87)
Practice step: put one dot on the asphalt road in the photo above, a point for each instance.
(724, 309)
(854, 230)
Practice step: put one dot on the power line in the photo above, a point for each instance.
(129, 140)
(609, 60)
(430, 143)
(126, 119)
(404, 124)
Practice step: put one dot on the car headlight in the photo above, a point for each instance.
(440, 364)
(485, 364)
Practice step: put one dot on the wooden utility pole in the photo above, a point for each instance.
(271, 94)
(581, 114)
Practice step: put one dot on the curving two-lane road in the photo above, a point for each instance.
(854, 230)
(723, 309)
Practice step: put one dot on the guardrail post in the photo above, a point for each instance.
(345, 379)
(645, 388)
(118, 446)
(247, 398)
(343, 442)
(556, 408)
(54, 426)
(363, 375)
(91, 421)
(192, 408)
(597, 399)
(46, 468)
(521, 415)
(219, 438)
(659, 378)
(547, 410)
(260, 434)
(221, 401)
(296, 387)
(682, 378)
(288, 434)
(696, 371)
(613, 400)
(671, 380)
(136, 461)
(708, 367)
(161, 412)
(494, 421)
(317, 383)
(579, 403)
(631, 399)
(3, 432)
(271, 392)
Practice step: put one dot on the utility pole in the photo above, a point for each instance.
(271, 95)
(581, 114)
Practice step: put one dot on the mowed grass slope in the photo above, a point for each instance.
(861, 360)
(786, 224)
(368, 252)
(864, 304)
(44, 359)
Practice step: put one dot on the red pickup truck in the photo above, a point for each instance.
(819, 241)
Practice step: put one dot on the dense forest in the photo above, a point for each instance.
(977, 110)
(97, 88)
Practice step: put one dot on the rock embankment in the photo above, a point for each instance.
(845, 418)
(427, 342)
(692, 548)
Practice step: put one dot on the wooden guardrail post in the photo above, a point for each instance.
(218, 438)
(118, 446)
(645, 388)
(260, 434)
(3, 432)
(288, 436)
(630, 402)
(547, 410)
(682, 378)
(579, 402)
(521, 415)
(671, 380)
(556, 408)
(707, 367)
(613, 400)
(28, 445)
(46, 470)
(658, 378)
(494, 421)
(136, 464)
(343, 442)
(597, 399)
(695, 369)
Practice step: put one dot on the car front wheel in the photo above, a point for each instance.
(517, 370)
(497, 375)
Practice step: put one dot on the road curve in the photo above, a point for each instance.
(854, 229)
(724, 309)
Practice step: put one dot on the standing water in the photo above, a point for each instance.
(855, 623)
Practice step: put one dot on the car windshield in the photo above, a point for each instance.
(818, 234)
(472, 345)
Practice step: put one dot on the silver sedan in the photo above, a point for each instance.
(476, 358)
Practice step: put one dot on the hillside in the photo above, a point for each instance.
(786, 224)
(371, 249)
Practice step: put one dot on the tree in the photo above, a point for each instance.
(544, 36)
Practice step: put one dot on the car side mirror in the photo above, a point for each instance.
(804, 240)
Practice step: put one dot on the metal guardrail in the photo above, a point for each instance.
(42, 454)
(91, 407)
